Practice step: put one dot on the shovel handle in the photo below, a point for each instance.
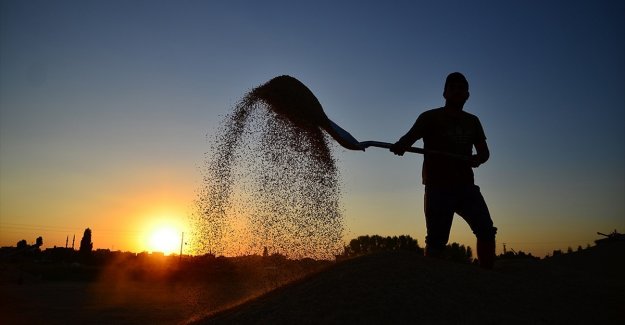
(422, 151)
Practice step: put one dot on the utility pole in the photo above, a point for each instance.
(66, 240)
(181, 244)
(73, 240)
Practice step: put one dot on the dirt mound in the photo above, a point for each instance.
(402, 287)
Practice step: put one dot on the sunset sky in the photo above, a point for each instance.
(108, 107)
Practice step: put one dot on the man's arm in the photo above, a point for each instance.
(414, 134)
(482, 154)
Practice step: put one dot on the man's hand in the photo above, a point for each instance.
(482, 154)
(475, 161)
(398, 149)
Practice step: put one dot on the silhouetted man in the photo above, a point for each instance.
(449, 182)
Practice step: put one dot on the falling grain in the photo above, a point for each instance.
(271, 180)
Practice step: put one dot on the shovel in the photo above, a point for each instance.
(348, 141)
(290, 98)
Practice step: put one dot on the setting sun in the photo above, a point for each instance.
(165, 240)
(163, 227)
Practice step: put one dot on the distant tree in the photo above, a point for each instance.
(265, 252)
(85, 243)
(376, 243)
(569, 250)
(579, 248)
(407, 243)
(354, 247)
(22, 244)
(39, 242)
(459, 253)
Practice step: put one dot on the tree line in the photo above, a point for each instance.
(376, 243)
(363, 245)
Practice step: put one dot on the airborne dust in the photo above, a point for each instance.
(269, 182)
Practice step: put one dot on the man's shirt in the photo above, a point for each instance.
(442, 131)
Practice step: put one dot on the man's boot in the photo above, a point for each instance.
(486, 253)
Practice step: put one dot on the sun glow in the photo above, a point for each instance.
(163, 230)
(165, 239)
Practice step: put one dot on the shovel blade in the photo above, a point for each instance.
(341, 136)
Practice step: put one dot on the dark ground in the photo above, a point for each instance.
(138, 290)
(586, 287)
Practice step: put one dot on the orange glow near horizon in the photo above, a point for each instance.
(165, 240)
(163, 231)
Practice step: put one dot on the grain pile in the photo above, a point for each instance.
(270, 179)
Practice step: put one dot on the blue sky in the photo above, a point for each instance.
(102, 102)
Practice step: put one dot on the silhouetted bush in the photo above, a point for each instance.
(39, 242)
(22, 244)
(458, 253)
(517, 255)
(371, 244)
